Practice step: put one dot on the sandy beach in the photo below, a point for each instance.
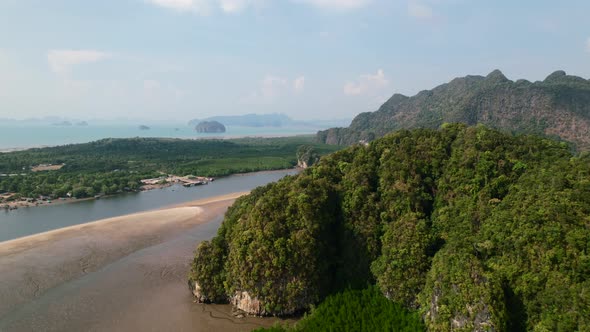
(118, 274)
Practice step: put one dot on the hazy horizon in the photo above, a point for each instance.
(175, 60)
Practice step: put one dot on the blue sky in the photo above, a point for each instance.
(322, 59)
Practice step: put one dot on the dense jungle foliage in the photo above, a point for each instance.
(356, 311)
(475, 229)
(557, 107)
(112, 165)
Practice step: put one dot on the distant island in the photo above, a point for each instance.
(270, 120)
(249, 120)
(82, 124)
(210, 127)
(558, 107)
(144, 127)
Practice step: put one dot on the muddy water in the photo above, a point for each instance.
(144, 291)
(110, 277)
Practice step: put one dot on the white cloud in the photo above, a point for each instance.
(367, 84)
(61, 61)
(273, 87)
(336, 4)
(233, 6)
(419, 10)
(197, 6)
(151, 85)
(588, 45)
(203, 7)
(299, 84)
(270, 88)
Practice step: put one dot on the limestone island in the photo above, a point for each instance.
(210, 127)
(144, 127)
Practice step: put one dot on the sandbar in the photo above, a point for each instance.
(118, 274)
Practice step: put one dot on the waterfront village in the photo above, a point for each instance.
(13, 201)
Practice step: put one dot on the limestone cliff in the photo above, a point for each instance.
(557, 107)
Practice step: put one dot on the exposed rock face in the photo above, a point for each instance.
(558, 106)
(244, 302)
(196, 290)
(302, 164)
(470, 291)
(210, 127)
(306, 156)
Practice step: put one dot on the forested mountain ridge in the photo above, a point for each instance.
(559, 106)
(476, 229)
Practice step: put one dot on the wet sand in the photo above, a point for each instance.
(118, 274)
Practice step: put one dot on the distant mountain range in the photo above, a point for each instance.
(557, 107)
(48, 120)
(267, 120)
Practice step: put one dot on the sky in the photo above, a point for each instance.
(309, 59)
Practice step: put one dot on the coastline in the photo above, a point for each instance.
(222, 137)
(33, 239)
(87, 270)
(15, 205)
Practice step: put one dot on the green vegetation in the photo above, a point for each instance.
(356, 311)
(113, 165)
(473, 228)
(557, 107)
(307, 156)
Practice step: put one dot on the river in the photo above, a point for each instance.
(34, 220)
(122, 274)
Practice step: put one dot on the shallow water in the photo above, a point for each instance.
(144, 291)
(34, 220)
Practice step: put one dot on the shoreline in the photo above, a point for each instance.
(15, 205)
(116, 274)
(107, 221)
(222, 137)
(36, 265)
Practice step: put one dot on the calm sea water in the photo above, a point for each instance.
(19, 136)
(33, 220)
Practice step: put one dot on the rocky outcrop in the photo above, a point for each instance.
(210, 127)
(306, 156)
(460, 280)
(194, 287)
(244, 302)
(559, 107)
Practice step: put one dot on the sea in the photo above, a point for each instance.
(16, 136)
